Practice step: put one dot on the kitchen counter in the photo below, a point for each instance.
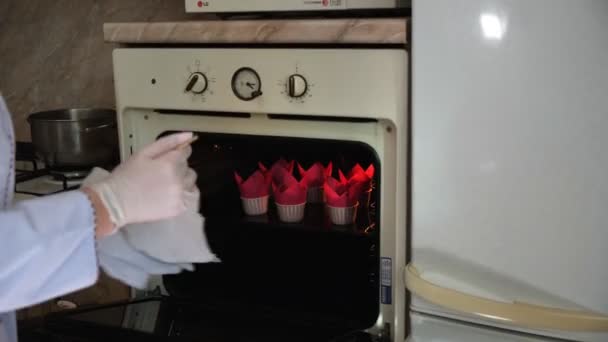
(315, 31)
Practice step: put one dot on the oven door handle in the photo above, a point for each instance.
(519, 314)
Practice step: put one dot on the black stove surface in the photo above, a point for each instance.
(33, 169)
(163, 319)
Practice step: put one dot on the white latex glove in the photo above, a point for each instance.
(153, 184)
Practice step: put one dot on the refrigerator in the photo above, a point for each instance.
(509, 203)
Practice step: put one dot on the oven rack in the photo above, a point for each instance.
(315, 220)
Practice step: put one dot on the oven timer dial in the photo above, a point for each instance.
(297, 86)
(197, 83)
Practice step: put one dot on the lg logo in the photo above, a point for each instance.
(202, 3)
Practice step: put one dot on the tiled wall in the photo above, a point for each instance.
(52, 53)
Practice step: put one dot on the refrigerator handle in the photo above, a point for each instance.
(516, 313)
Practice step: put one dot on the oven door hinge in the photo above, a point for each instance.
(380, 333)
(384, 335)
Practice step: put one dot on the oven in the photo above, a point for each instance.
(249, 107)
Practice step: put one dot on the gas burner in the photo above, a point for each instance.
(34, 179)
(66, 182)
(45, 184)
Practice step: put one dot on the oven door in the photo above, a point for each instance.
(163, 319)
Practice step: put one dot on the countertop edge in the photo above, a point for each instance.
(305, 31)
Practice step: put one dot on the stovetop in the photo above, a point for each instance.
(164, 319)
(34, 179)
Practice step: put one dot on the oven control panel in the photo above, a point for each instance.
(246, 85)
(197, 83)
(331, 82)
(297, 86)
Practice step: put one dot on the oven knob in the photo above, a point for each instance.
(297, 86)
(197, 83)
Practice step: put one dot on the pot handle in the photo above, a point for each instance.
(90, 129)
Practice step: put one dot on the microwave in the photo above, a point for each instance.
(240, 6)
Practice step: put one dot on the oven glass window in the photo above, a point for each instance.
(309, 272)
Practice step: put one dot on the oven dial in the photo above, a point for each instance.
(197, 83)
(296, 86)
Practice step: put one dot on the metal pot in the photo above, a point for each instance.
(75, 138)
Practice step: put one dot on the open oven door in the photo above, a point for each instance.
(163, 319)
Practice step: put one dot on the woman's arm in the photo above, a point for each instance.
(47, 245)
(47, 248)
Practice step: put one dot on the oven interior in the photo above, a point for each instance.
(307, 274)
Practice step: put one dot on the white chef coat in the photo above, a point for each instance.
(47, 245)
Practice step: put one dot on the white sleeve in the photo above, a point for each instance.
(125, 263)
(47, 249)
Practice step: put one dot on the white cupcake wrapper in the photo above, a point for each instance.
(344, 215)
(291, 213)
(255, 206)
(315, 195)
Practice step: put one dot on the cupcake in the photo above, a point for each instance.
(342, 200)
(343, 215)
(291, 213)
(314, 179)
(365, 178)
(290, 198)
(255, 206)
(254, 193)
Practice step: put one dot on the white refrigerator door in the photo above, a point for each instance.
(510, 163)
(432, 329)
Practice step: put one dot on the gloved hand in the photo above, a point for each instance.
(153, 184)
